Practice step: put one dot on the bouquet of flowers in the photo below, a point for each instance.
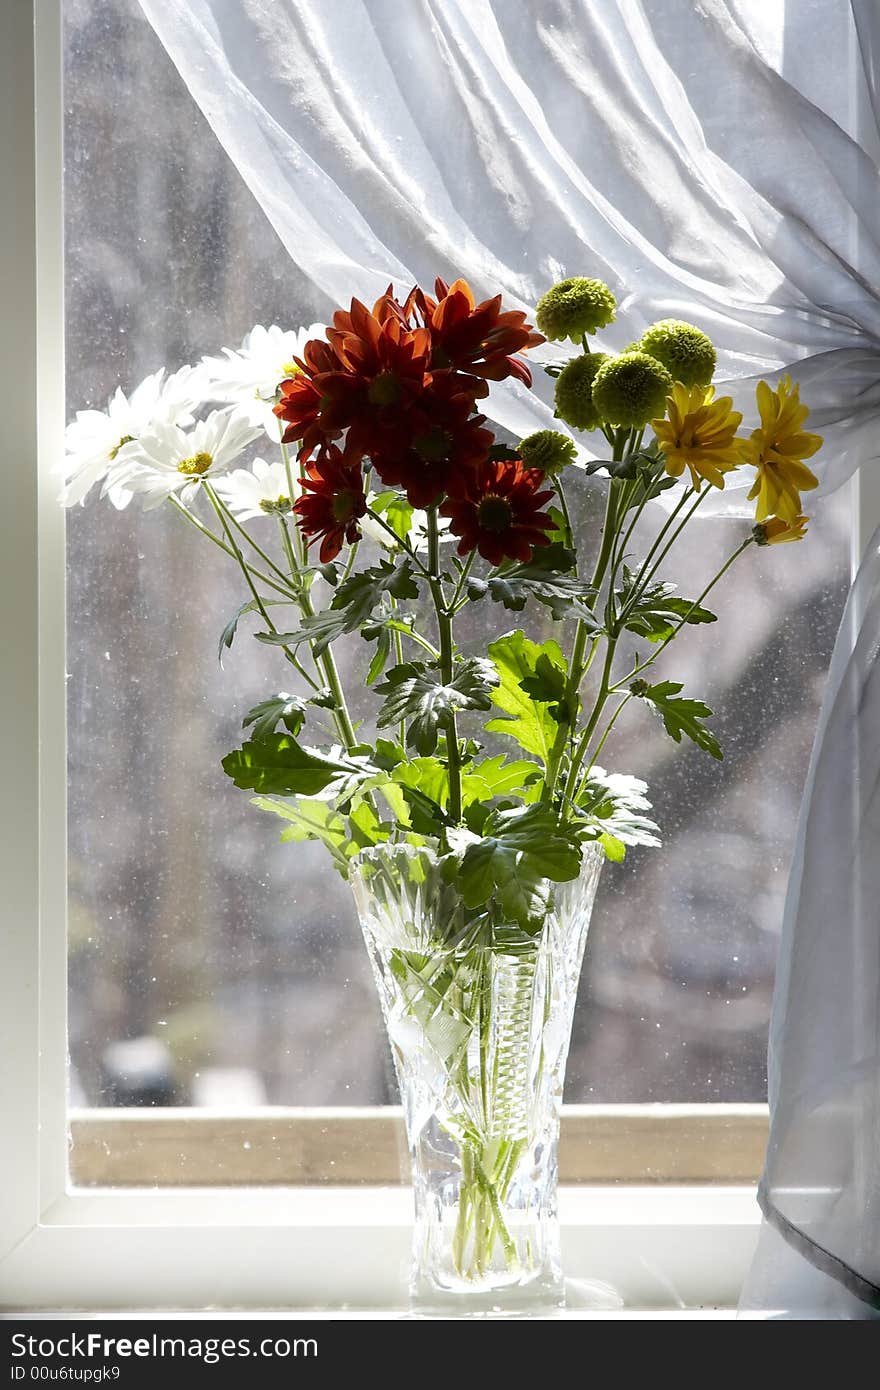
(473, 815)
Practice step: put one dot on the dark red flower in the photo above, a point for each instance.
(332, 500)
(436, 446)
(301, 403)
(500, 513)
(476, 338)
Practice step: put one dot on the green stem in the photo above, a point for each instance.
(447, 660)
(661, 646)
(255, 593)
(577, 665)
(457, 602)
(595, 715)
(209, 535)
(400, 544)
(325, 663)
(621, 685)
(243, 531)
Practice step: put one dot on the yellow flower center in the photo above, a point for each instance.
(289, 369)
(126, 439)
(196, 466)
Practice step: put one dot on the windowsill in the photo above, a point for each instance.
(599, 1145)
(325, 1248)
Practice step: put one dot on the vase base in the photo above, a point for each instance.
(505, 1300)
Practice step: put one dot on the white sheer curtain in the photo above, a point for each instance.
(711, 162)
(650, 142)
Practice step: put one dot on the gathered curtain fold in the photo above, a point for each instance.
(716, 162)
(657, 145)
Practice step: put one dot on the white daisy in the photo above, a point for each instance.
(250, 375)
(170, 460)
(261, 490)
(94, 439)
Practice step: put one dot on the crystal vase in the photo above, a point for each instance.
(478, 1012)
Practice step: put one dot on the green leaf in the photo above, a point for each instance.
(615, 849)
(614, 804)
(480, 782)
(227, 636)
(278, 764)
(396, 511)
(426, 817)
(494, 777)
(679, 714)
(526, 720)
(313, 820)
(415, 695)
(380, 656)
(285, 709)
(656, 613)
(520, 850)
(353, 604)
(547, 578)
(547, 686)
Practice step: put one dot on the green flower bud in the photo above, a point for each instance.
(686, 351)
(574, 390)
(575, 307)
(631, 389)
(548, 450)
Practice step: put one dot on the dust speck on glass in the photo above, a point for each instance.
(211, 965)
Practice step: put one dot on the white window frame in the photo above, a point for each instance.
(669, 1245)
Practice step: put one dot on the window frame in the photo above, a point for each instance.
(659, 1243)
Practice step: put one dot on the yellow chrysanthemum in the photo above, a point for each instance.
(777, 450)
(775, 531)
(699, 433)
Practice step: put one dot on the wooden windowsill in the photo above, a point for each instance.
(634, 1144)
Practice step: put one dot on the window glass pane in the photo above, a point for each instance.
(209, 964)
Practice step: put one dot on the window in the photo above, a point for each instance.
(247, 1004)
(211, 966)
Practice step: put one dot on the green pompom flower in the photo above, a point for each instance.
(575, 307)
(631, 389)
(574, 391)
(685, 351)
(548, 450)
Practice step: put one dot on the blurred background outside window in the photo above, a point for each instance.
(211, 965)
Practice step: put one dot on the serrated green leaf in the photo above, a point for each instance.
(313, 820)
(656, 614)
(494, 777)
(227, 636)
(520, 850)
(548, 578)
(547, 686)
(680, 715)
(480, 781)
(396, 510)
(354, 604)
(288, 710)
(416, 696)
(526, 720)
(615, 849)
(380, 656)
(615, 804)
(278, 764)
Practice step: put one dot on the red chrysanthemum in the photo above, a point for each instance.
(403, 380)
(301, 404)
(477, 338)
(436, 446)
(500, 513)
(332, 501)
